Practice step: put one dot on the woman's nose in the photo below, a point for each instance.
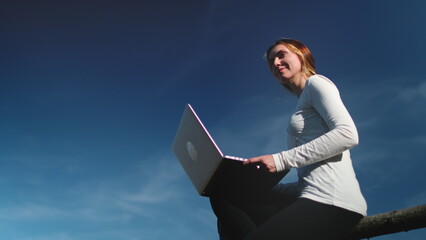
(277, 62)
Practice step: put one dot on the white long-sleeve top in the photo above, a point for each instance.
(320, 134)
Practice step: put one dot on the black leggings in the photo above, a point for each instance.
(272, 217)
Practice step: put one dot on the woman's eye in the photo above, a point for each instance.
(280, 55)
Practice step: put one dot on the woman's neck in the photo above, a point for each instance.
(297, 84)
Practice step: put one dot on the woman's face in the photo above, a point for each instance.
(284, 64)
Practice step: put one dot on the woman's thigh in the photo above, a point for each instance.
(239, 216)
(306, 220)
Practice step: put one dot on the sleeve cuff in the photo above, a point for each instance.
(279, 162)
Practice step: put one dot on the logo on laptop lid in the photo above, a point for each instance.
(193, 153)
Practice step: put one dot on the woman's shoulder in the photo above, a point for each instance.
(318, 79)
(320, 84)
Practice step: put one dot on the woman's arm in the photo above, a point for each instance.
(343, 135)
(325, 99)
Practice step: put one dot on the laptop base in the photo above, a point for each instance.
(232, 178)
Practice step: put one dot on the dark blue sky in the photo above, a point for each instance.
(91, 93)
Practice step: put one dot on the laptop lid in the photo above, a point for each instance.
(196, 150)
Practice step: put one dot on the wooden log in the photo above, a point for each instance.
(390, 222)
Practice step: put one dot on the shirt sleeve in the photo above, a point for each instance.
(324, 97)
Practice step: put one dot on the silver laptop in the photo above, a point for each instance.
(210, 171)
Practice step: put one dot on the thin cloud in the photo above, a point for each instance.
(158, 180)
(31, 211)
(150, 195)
(414, 93)
(55, 236)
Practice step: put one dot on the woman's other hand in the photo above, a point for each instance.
(266, 161)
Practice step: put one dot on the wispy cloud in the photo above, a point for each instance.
(55, 236)
(414, 93)
(159, 175)
(151, 182)
(148, 197)
(30, 211)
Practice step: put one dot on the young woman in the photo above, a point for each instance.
(326, 202)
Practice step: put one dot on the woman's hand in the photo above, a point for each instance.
(266, 161)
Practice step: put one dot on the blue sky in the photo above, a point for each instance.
(91, 93)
